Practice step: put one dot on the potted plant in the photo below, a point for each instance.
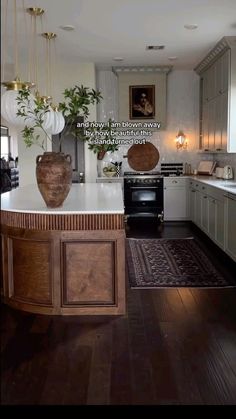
(53, 171)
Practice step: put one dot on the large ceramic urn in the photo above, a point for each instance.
(54, 177)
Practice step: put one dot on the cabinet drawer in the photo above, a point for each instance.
(109, 180)
(195, 184)
(216, 193)
(170, 182)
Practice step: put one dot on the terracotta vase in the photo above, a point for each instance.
(54, 177)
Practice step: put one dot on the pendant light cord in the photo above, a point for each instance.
(16, 42)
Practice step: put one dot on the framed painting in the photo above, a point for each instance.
(142, 102)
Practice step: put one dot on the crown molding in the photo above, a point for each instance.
(142, 69)
(224, 44)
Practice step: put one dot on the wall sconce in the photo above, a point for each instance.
(181, 140)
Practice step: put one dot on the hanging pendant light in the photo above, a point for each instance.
(9, 106)
(58, 122)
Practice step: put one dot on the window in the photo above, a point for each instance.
(5, 143)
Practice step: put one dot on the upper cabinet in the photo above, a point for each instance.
(218, 97)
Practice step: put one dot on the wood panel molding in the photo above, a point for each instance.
(69, 222)
(30, 271)
(89, 272)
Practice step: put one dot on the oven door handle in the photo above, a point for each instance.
(143, 187)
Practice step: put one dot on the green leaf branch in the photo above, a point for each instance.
(34, 114)
(76, 104)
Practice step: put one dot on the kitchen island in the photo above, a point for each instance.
(69, 260)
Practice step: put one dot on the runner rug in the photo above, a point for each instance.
(161, 263)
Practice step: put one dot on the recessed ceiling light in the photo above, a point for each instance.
(154, 47)
(191, 26)
(172, 58)
(67, 27)
(118, 59)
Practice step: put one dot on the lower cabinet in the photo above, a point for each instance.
(230, 226)
(175, 199)
(214, 211)
(216, 221)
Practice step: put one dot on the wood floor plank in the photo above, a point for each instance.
(141, 369)
(121, 384)
(24, 365)
(226, 338)
(176, 304)
(162, 306)
(206, 308)
(190, 304)
(215, 379)
(187, 387)
(100, 374)
(162, 375)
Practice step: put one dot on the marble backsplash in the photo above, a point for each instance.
(170, 155)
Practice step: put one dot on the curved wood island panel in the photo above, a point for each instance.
(65, 261)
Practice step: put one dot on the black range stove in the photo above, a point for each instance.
(143, 194)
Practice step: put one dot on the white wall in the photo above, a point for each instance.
(84, 73)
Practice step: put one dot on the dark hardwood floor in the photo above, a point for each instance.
(174, 346)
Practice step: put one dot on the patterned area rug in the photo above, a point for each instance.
(161, 263)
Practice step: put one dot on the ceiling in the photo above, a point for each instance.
(105, 29)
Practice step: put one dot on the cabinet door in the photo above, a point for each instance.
(211, 82)
(225, 67)
(205, 129)
(222, 73)
(192, 205)
(211, 124)
(218, 123)
(205, 95)
(205, 218)
(212, 218)
(198, 208)
(220, 223)
(219, 75)
(230, 244)
(175, 203)
(224, 119)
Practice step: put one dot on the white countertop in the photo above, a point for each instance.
(217, 183)
(83, 198)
